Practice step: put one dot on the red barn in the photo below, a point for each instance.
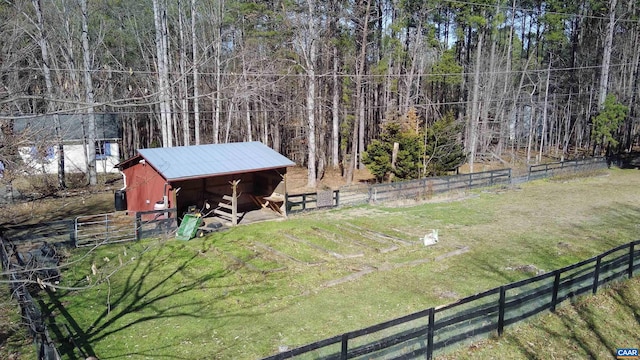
(243, 176)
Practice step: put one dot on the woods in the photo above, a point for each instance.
(317, 80)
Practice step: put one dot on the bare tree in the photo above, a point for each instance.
(357, 140)
(162, 67)
(307, 43)
(43, 42)
(606, 54)
(88, 88)
(196, 75)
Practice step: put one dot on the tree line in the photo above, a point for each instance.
(320, 81)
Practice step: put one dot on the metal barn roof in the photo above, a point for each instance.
(185, 162)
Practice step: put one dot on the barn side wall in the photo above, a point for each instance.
(144, 187)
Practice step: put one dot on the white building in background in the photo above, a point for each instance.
(41, 154)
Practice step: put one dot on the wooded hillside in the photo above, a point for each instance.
(315, 80)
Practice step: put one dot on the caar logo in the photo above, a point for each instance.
(627, 353)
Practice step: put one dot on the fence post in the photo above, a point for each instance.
(106, 227)
(430, 328)
(73, 231)
(138, 225)
(503, 293)
(556, 286)
(287, 206)
(345, 346)
(631, 251)
(596, 274)
(337, 197)
(304, 202)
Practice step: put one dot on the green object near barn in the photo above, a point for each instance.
(188, 227)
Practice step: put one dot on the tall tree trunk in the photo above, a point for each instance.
(184, 103)
(358, 124)
(162, 59)
(335, 104)
(309, 48)
(504, 122)
(217, 102)
(606, 54)
(196, 75)
(88, 85)
(475, 114)
(543, 135)
(43, 42)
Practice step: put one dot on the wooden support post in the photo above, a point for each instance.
(234, 202)
(596, 275)
(430, 328)
(344, 351)
(631, 251)
(502, 301)
(556, 287)
(286, 197)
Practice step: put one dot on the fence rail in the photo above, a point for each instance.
(435, 185)
(426, 332)
(307, 201)
(155, 223)
(30, 311)
(51, 232)
(556, 168)
(363, 194)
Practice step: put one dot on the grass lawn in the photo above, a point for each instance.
(592, 327)
(245, 293)
(14, 337)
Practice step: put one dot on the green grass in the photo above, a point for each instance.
(227, 296)
(592, 327)
(15, 342)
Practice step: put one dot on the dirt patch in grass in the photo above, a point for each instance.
(332, 179)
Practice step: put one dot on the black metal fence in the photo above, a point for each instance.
(30, 311)
(424, 333)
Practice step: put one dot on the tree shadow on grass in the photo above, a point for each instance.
(148, 285)
(584, 332)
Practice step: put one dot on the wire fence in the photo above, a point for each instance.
(95, 230)
(437, 329)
